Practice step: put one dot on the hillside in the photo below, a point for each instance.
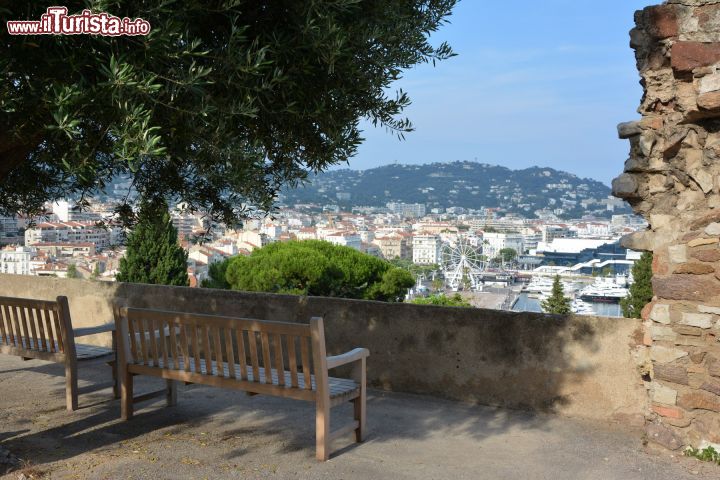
(459, 184)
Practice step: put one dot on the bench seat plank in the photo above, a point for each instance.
(338, 386)
(83, 352)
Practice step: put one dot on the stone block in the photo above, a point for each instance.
(663, 394)
(662, 333)
(678, 253)
(702, 241)
(687, 56)
(671, 373)
(712, 387)
(697, 357)
(686, 330)
(685, 287)
(645, 312)
(700, 400)
(660, 313)
(709, 83)
(713, 366)
(709, 309)
(662, 354)
(663, 436)
(713, 229)
(624, 186)
(628, 129)
(709, 101)
(710, 255)
(669, 412)
(700, 320)
(695, 269)
(663, 21)
(703, 221)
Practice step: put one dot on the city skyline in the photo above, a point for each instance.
(553, 84)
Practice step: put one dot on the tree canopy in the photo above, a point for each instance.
(222, 104)
(153, 253)
(640, 292)
(318, 268)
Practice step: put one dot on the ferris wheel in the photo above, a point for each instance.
(462, 265)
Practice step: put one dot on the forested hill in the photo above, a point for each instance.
(459, 184)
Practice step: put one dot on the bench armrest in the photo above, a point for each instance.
(349, 357)
(83, 332)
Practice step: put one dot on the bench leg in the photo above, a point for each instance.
(71, 384)
(114, 365)
(322, 430)
(171, 393)
(126, 394)
(360, 414)
(359, 404)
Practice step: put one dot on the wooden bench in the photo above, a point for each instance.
(257, 356)
(40, 329)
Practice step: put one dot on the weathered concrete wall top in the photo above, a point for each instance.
(577, 366)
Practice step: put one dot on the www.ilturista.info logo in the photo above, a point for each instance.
(56, 21)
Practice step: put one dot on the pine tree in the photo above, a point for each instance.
(640, 293)
(557, 303)
(153, 253)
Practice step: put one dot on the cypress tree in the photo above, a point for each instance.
(557, 302)
(153, 253)
(640, 293)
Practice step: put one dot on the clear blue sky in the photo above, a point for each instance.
(535, 82)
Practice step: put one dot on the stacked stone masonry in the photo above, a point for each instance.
(672, 178)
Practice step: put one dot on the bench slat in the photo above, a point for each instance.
(292, 360)
(162, 340)
(305, 356)
(47, 319)
(266, 356)
(4, 335)
(184, 347)
(218, 352)
(252, 344)
(41, 329)
(242, 356)
(279, 363)
(59, 337)
(173, 339)
(229, 352)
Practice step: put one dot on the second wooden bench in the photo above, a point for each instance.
(257, 356)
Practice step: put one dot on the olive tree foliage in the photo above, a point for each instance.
(221, 105)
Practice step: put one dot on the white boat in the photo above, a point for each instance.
(603, 291)
(581, 307)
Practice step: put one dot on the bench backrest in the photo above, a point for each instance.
(36, 328)
(228, 347)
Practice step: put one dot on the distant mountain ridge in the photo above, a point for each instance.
(463, 184)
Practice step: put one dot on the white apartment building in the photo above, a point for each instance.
(69, 232)
(17, 260)
(407, 210)
(494, 242)
(347, 239)
(426, 249)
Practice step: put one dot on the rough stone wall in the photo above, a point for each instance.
(672, 179)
